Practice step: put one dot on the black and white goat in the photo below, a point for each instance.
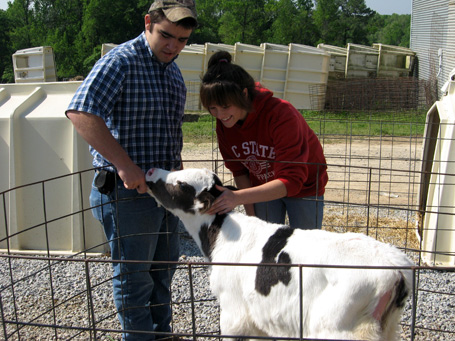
(341, 302)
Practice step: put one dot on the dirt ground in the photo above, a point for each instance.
(373, 185)
(360, 172)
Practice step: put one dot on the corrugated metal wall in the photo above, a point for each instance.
(450, 50)
(433, 38)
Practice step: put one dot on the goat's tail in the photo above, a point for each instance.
(393, 303)
(383, 324)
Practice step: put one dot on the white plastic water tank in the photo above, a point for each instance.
(338, 55)
(191, 63)
(211, 48)
(274, 67)
(5, 133)
(106, 47)
(250, 58)
(394, 61)
(307, 66)
(437, 198)
(34, 65)
(39, 143)
(361, 61)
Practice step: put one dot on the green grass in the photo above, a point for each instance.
(371, 124)
(200, 130)
(402, 124)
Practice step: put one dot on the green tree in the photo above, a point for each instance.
(342, 21)
(208, 13)
(20, 13)
(355, 16)
(392, 29)
(58, 23)
(76, 29)
(326, 18)
(299, 13)
(243, 21)
(107, 21)
(125, 21)
(6, 74)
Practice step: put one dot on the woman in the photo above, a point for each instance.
(276, 159)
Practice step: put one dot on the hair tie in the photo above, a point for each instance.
(224, 60)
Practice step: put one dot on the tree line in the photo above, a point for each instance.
(76, 29)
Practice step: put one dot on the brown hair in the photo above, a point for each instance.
(224, 83)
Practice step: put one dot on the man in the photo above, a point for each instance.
(130, 110)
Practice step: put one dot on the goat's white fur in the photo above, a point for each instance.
(339, 303)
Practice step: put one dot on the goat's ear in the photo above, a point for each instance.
(206, 199)
(219, 183)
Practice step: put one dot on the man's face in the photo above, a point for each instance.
(166, 39)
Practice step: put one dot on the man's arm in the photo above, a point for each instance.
(94, 130)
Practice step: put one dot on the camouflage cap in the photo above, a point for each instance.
(176, 10)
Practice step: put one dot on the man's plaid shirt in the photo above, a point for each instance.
(142, 102)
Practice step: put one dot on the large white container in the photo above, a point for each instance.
(274, 67)
(437, 199)
(106, 47)
(191, 63)
(250, 58)
(394, 61)
(5, 137)
(361, 61)
(211, 49)
(338, 56)
(35, 64)
(5, 127)
(41, 143)
(307, 66)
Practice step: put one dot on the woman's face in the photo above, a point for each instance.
(228, 115)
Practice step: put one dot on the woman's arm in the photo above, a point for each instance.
(242, 182)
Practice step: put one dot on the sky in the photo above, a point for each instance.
(380, 6)
(4, 4)
(388, 6)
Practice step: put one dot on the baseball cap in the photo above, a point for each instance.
(176, 10)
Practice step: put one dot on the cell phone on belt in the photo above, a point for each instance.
(105, 181)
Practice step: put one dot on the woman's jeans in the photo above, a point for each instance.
(139, 232)
(303, 213)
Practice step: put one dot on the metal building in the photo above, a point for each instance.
(433, 38)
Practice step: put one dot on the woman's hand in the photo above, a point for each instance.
(228, 199)
(225, 203)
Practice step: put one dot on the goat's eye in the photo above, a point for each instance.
(181, 184)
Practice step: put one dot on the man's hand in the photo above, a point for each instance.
(133, 178)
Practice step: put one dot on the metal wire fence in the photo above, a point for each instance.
(55, 270)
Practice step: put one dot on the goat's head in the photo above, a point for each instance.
(190, 190)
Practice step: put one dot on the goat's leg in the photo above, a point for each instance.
(235, 321)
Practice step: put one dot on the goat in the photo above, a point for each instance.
(333, 297)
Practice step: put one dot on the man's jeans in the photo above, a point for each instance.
(303, 213)
(138, 230)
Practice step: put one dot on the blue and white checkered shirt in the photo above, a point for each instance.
(142, 102)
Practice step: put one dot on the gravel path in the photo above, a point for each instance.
(32, 297)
